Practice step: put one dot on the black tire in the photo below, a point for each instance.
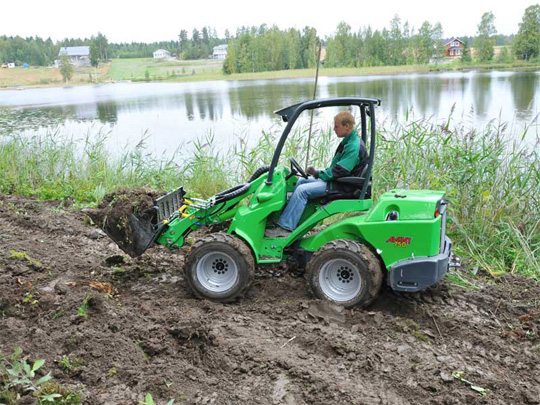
(345, 272)
(219, 267)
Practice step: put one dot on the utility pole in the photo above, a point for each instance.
(314, 96)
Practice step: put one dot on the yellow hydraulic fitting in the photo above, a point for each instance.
(182, 209)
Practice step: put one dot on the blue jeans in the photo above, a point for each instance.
(304, 190)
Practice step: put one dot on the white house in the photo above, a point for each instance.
(220, 51)
(78, 55)
(161, 54)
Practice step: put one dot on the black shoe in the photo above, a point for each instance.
(277, 232)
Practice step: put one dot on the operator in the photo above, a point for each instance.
(348, 155)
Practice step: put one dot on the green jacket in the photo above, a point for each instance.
(345, 158)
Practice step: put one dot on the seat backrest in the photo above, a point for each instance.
(363, 159)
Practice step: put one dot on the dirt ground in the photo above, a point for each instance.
(131, 327)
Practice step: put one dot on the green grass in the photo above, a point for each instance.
(157, 69)
(203, 70)
(492, 177)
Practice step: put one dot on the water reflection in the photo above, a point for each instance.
(481, 91)
(107, 113)
(261, 98)
(183, 111)
(523, 88)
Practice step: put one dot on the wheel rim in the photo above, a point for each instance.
(217, 272)
(340, 280)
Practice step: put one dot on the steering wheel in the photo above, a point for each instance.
(296, 168)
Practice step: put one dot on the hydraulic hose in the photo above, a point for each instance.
(231, 193)
(258, 172)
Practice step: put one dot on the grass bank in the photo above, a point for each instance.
(48, 76)
(182, 71)
(148, 69)
(492, 178)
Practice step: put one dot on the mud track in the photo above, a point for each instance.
(141, 330)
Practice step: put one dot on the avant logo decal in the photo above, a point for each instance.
(399, 241)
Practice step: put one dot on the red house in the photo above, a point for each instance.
(453, 47)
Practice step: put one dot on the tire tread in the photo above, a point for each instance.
(234, 242)
(372, 263)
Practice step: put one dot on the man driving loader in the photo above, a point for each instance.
(349, 157)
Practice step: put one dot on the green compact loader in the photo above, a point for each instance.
(399, 240)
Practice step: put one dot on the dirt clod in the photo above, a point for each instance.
(127, 216)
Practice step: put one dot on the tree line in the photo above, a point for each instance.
(43, 52)
(34, 51)
(262, 49)
(398, 45)
(255, 49)
(39, 52)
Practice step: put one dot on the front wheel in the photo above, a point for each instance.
(346, 273)
(219, 268)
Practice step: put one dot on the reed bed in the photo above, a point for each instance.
(492, 177)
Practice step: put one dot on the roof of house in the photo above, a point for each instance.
(224, 46)
(161, 50)
(74, 51)
(447, 41)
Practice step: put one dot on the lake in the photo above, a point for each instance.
(166, 115)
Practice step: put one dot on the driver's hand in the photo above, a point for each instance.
(312, 171)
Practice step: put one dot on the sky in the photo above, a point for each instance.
(162, 20)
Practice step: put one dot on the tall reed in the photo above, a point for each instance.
(491, 178)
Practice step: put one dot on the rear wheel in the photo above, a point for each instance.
(219, 268)
(346, 273)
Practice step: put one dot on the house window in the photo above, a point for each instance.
(456, 43)
(458, 51)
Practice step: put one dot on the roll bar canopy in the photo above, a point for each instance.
(291, 114)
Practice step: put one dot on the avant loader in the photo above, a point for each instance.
(399, 240)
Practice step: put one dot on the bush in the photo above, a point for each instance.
(505, 56)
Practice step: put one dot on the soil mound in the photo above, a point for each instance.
(127, 216)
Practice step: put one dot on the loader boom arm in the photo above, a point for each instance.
(194, 213)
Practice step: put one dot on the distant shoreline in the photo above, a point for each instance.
(135, 70)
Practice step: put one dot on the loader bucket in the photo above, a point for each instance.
(133, 237)
(129, 218)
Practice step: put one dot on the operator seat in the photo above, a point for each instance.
(354, 188)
